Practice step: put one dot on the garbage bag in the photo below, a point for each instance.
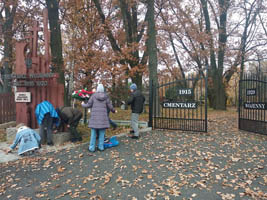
(112, 142)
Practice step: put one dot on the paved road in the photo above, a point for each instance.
(160, 165)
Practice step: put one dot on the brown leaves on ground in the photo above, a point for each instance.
(225, 162)
(60, 169)
(107, 178)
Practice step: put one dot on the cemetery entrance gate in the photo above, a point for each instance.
(179, 105)
(252, 112)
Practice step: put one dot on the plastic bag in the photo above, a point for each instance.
(112, 142)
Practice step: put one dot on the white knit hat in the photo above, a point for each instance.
(100, 88)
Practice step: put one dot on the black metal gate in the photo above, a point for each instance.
(180, 105)
(253, 103)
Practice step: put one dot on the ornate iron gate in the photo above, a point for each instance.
(253, 103)
(180, 105)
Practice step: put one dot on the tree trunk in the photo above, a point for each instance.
(7, 69)
(56, 43)
(8, 35)
(153, 59)
(217, 98)
(137, 79)
(219, 94)
(151, 44)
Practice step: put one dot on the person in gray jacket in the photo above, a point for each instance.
(71, 117)
(99, 120)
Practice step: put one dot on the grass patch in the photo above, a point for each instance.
(120, 115)
(2, 135)
(86, 132)
(126, 115)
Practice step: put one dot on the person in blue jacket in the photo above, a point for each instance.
(46, 115)
(28, 140)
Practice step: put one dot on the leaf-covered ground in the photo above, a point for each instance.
(225, 163)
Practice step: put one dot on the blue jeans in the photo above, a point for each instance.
(100, 139)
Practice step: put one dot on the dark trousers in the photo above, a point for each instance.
(112, 123)
(73, 127)
(46, 129)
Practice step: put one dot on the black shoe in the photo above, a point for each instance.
(74, 140)
(106, 140)
(135, 137)
(50, 143)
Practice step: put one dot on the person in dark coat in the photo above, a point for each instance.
(136, 101)
(71, 117)
(99, 120)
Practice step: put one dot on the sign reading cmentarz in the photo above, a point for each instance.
(256, 106)
(183, 105)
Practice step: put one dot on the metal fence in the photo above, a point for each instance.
(253, 103)
(180, 105)
(7, 108)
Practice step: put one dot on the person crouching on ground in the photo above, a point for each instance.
(28, 140)
(99, 120)
(46, 115)
(136, 101)
(71, 117)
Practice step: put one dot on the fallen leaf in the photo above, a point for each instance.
(92, 191)
(144, 171)
(60, 169)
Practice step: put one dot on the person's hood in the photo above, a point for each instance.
(101, 96)
(22, 128)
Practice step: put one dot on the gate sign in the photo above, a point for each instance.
(22, 97)
(181, 105)
(256, 106)
(251, 92)
(185, 91)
